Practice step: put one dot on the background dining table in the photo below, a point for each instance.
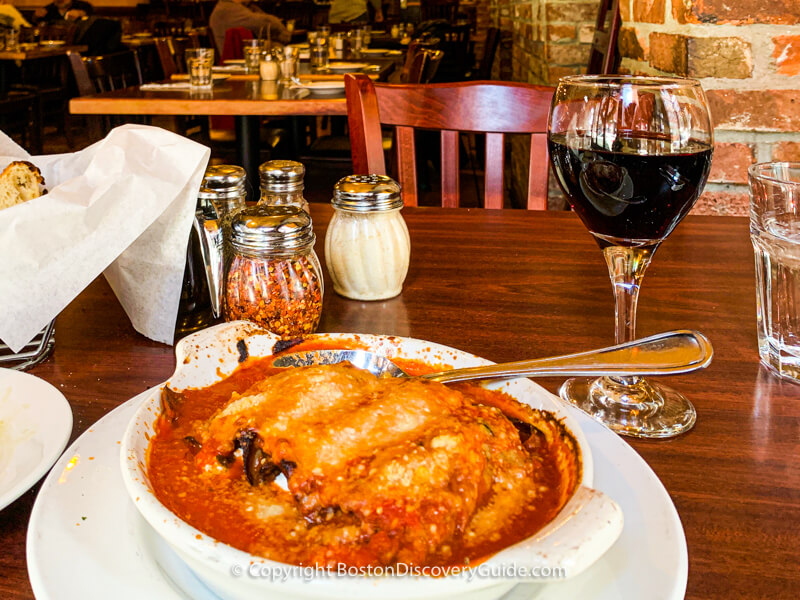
(514, 284)
(245, 97)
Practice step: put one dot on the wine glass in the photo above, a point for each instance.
(632, 155)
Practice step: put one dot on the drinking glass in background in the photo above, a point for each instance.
(367, 35)
(320, 57)
(12, 39)
(290, 25)
(632, 155)
(287, 59)
(252, 58)
(198, 63)
(775, 233)
(356, 40)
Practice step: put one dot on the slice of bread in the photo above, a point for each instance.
(19, 182)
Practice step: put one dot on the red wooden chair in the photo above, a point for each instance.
(604, 58)
(493, 108)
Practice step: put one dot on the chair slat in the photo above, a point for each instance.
(537, 185)
(495, 163)
(406, 164)
(364, 123)
(450, 169)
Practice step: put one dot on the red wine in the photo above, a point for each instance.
(634, 195)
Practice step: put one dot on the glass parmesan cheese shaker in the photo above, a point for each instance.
(274, 278)
(282, 183)
(367, 247)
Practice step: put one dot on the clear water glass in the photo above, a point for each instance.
(198, 63)
(252, 57)
(775, 233)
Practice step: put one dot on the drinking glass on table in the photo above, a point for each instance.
(367, 35)
(252, 57)
(290, 25)
(632, 155)
(775, 233)
(320, 55)
(198, 63)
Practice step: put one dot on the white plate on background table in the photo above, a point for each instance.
(83, 512)
(323, 88)
(234, 61)
(35, 425)
(347, 67)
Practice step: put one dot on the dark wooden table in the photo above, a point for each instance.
(508, 285)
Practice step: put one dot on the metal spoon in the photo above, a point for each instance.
(667, 353)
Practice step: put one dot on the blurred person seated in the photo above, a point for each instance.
(63, 10)
(354, 11)
(11, 17)
(228, 14)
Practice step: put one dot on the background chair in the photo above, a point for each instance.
(493, 108)
(604, 58)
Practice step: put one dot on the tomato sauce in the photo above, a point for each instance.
(229, 509)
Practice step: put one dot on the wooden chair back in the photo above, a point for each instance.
(439, 9)
(114, 71)
(165, 57)
(493, 108)
(604, 58)
(489, 52)
(421, 63)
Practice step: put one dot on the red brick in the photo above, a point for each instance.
(788, 151)
(625, 10)
(586, 33)
(728, 57)
(628, 44)
(787, 54)
(723, 203)
(556, 73)
(668, 52)
(730, 162)
(755, 110)
(739, 12)
(648, 11)
(556, 33)
(572, 12)
(568, 54)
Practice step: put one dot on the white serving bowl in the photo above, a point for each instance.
(583, 530)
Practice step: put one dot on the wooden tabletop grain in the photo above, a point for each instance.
(509, 285)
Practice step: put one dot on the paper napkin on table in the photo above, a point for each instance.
(123, 206)
(166, 87)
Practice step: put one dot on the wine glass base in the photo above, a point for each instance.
(635, 407)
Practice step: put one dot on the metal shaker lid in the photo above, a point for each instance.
(367, 193)
(223, 181)
(281, 176)
(267, 228)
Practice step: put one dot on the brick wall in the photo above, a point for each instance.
(747, 55)
(545, 40)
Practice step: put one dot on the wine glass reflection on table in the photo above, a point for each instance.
(632, 155)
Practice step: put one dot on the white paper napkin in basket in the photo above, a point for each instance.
(123, 206)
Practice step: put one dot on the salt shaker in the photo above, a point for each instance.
(274, 279)
(367, 247)
(282, 183)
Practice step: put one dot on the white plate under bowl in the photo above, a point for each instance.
(86, 538)
(347, 67)
(585, 528)
(35, 425)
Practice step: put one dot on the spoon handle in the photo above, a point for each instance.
(667, 353)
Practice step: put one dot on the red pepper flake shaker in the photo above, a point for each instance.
(274, 279)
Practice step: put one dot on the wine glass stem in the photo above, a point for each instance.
(626, 267)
